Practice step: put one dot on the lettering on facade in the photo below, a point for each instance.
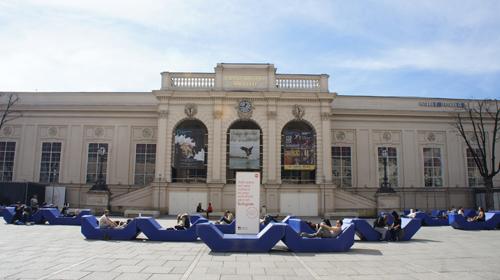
(441, 104)
(238, 81)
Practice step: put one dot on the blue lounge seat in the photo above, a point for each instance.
(437, 213)
(431, 221)
(410, 227)
(155, 232)
(9, 212)
(90, 229)
(470, 213)
(227, 228)
(264, 241)
(492, 220)
(54, 217)
(1, 210)
(363, 229)
(366, 232)
(296, 243)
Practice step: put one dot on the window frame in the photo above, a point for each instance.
(134, 166)
(442, 157)
(341, 185)
(52, 142)
(13, 176)
(108, 153)
(380, 177)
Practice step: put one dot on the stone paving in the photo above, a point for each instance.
(61, 252)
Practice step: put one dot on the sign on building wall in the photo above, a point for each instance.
(244, 149)
(189, 148)
(299, 150)
(247, 202)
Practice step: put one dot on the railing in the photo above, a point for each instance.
(304, 82)
(188, 80)
(171, 80)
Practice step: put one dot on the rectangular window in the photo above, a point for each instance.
(473, 176)
(95, 161)
(50, 162)
(433, 173)
(145, 158)
(392, 165)
(342, 166)
(7, 155)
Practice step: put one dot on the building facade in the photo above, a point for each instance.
(318, 152)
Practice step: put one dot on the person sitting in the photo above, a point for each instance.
(209, 210)
(226, 219)
(325, 231)
(183, 222)
(412, 214)
(460, 211)
(106, 222)
(34, 203)
(480, 216)
(380, 225)
(20, 214)
(395, 229)
(268, 219)
(199, 209)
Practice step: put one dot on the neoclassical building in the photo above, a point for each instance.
(171, 148)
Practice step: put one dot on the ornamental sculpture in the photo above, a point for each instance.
(298, 111)
(191, 109)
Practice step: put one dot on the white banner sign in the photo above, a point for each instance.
(55, 195)
(247, 202)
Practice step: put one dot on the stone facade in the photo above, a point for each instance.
(362, 123)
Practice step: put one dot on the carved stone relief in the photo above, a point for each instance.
(298, 111)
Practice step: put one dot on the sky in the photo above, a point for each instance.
(420, 48)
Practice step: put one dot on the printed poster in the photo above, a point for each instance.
(299, 150)
(244, 149)
(189, 148)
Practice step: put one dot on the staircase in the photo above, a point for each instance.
(345, 200)
(139, 199)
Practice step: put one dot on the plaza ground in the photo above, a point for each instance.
(61, 252)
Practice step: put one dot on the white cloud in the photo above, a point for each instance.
(463, 59)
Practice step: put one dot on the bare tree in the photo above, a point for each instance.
(478, 126)
(7, 103)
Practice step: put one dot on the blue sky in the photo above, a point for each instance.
(390, 48)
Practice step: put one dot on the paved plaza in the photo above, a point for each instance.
(61, 252)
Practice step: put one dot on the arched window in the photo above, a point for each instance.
(298, 153)
(243, 149)
(190, 150)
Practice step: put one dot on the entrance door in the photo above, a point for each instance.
(300, 204)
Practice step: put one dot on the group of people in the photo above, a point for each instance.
(392, 232)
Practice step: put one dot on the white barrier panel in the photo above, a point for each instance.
(247, 202)
(55, 195)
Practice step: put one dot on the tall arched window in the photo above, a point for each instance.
(243, 149)
(190, 150)
(298, 153)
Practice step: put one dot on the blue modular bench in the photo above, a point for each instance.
(437, 213)
(431, 221)
(492, 220)
(296, 243)
(155, 232)
(366, 232)
(227, 228)
(9, 212)
(54, 217)
(90, 229)
(363, 229)
(470, 213)
(264, 241)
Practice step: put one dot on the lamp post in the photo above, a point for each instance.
(100, 184)
(385, 187)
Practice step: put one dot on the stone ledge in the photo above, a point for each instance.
(135, 213)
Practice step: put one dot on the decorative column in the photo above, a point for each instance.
(272, 165)
(327, 144)
(217, 147)
(161, 144)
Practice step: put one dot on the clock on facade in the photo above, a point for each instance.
(245, 106)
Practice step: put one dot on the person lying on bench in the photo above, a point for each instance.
(325, 231)
(268, 219)
(106, 222)
(226, 219)
(183, 222)
(480, 216)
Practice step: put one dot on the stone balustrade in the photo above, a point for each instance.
(280, 82)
